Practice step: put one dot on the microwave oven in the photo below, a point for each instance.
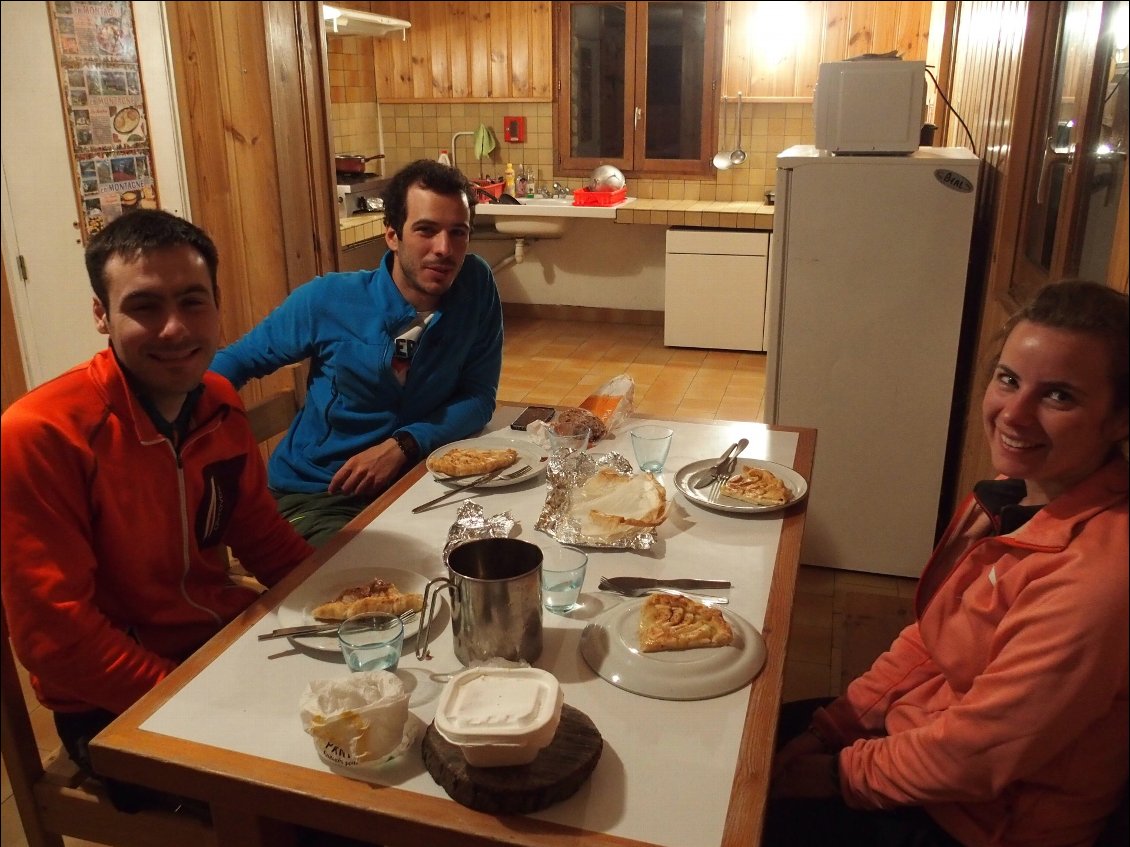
(870, 106)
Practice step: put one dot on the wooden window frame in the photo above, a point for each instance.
(635, 163)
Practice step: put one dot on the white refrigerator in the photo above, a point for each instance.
(867, 282)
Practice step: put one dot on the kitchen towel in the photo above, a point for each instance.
(485, 143)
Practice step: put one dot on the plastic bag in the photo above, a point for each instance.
(602, 413)
(362, 719)
(613, 402)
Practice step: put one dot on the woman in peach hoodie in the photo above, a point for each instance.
(999, 717)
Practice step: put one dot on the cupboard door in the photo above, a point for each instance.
(715, 301)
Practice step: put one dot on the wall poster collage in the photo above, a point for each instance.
(108, 134)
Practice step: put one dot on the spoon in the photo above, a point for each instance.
(738, 156)
(722, 159)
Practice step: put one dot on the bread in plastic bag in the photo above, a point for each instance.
(362, 719)
(601, 413)
(613, 402)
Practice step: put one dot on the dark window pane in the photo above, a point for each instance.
(676, 37)
(599, 35)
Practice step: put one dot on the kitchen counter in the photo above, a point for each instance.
(357, 228)
(713, 214)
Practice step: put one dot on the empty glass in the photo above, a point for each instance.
(371, 641)
(577, 440)
(651, 445)
(562, 575)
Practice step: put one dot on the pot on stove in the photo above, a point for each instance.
(353, 164)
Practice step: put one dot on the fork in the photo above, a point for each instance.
(723, 474)
(707, 599)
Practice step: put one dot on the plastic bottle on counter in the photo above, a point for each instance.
(520, 182)
(444, 159)
(508, 178)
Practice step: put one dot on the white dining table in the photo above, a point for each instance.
(224, 727)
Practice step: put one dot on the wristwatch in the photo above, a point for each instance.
(408, 446)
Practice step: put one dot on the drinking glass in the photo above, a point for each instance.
(562, 575)
(571, 443)
(651, 445)
(371, 641)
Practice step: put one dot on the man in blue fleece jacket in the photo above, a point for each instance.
(403, 358)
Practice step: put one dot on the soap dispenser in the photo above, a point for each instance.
(444, 159)
(508, 178)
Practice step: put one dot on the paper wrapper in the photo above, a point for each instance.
(472, 523)
(360, 720)
(565, 476)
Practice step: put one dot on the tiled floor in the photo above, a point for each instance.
(841, 620)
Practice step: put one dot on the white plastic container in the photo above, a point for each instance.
(500, 716)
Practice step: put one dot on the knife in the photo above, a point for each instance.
(714, 472)
(308, 629)
(482, 479)
(636, 582)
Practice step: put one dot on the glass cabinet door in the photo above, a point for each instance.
(1070, 208)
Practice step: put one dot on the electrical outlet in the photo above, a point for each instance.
(513, 129)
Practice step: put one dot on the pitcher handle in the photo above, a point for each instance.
(430, 590)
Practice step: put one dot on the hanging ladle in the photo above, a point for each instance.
(722, 160)
(738, 156)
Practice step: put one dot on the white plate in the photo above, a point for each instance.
(528, 454)
(692, 473)
(610, 646)
(322, 587)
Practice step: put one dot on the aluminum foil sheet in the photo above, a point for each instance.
(566, 474)
(472, 523)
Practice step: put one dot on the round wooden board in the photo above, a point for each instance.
(557, 772)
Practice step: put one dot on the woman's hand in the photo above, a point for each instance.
(805, 744)
(807, 775)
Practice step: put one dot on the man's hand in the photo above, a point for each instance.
(370, 471)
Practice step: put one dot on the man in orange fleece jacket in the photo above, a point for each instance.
(123, 480)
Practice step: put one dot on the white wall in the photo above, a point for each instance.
(52, 306)
(595, 263)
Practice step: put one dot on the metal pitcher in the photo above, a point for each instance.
(494, 587)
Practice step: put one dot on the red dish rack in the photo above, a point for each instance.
(494, 189)
(587, 197)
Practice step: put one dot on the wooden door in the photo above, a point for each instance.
(1076, 164)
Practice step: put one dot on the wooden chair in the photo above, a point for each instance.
(53, 797)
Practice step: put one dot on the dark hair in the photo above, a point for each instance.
(1089, 308)
(139, 233)
(442, 179)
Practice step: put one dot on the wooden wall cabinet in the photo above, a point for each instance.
(466, 52)
(480, 51)
(771, 58)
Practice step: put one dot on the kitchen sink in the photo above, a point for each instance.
(541, 217)
(549, 202)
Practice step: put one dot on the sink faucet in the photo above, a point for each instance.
(559, 190)
(452, 148)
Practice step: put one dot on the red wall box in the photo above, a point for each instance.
(586, 197)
